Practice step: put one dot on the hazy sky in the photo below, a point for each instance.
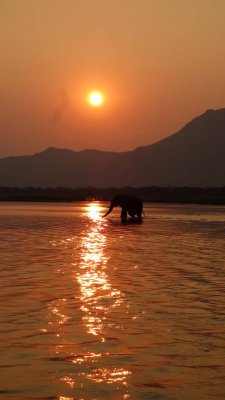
(159, 63)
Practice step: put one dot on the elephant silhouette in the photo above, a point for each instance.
(131, 205)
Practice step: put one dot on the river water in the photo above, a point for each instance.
(92, 309)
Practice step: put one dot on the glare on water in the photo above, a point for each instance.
(92, 309)
(97, 296)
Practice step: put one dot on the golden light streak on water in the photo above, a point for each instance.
(90, 357)
(115, 375)
(98, 297)
(69, 381)
(56, 317)
(66, 398)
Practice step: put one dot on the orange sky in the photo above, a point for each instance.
(159, 62)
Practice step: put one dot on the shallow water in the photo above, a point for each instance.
(92, 309)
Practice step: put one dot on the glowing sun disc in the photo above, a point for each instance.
(96, 99)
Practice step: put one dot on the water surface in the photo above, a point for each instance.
(92, 309)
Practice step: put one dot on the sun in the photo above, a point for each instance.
(96, 98)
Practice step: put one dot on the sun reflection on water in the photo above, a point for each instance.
(98, 300)
(108, 375)
(66, 398)
(97, 295)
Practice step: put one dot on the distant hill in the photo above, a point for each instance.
(194, 156)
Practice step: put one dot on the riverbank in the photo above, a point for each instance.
(194, 195)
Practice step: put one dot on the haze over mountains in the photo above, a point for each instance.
(194, 156)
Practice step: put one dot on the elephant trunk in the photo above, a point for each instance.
(108, 212)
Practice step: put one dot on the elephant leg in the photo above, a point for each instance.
(135, 215)
(123, 214)
(131, 213)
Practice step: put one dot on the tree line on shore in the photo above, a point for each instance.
(155, 194)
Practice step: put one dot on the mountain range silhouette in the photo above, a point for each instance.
(194, 156)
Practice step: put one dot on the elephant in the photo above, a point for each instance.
(131, 205)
